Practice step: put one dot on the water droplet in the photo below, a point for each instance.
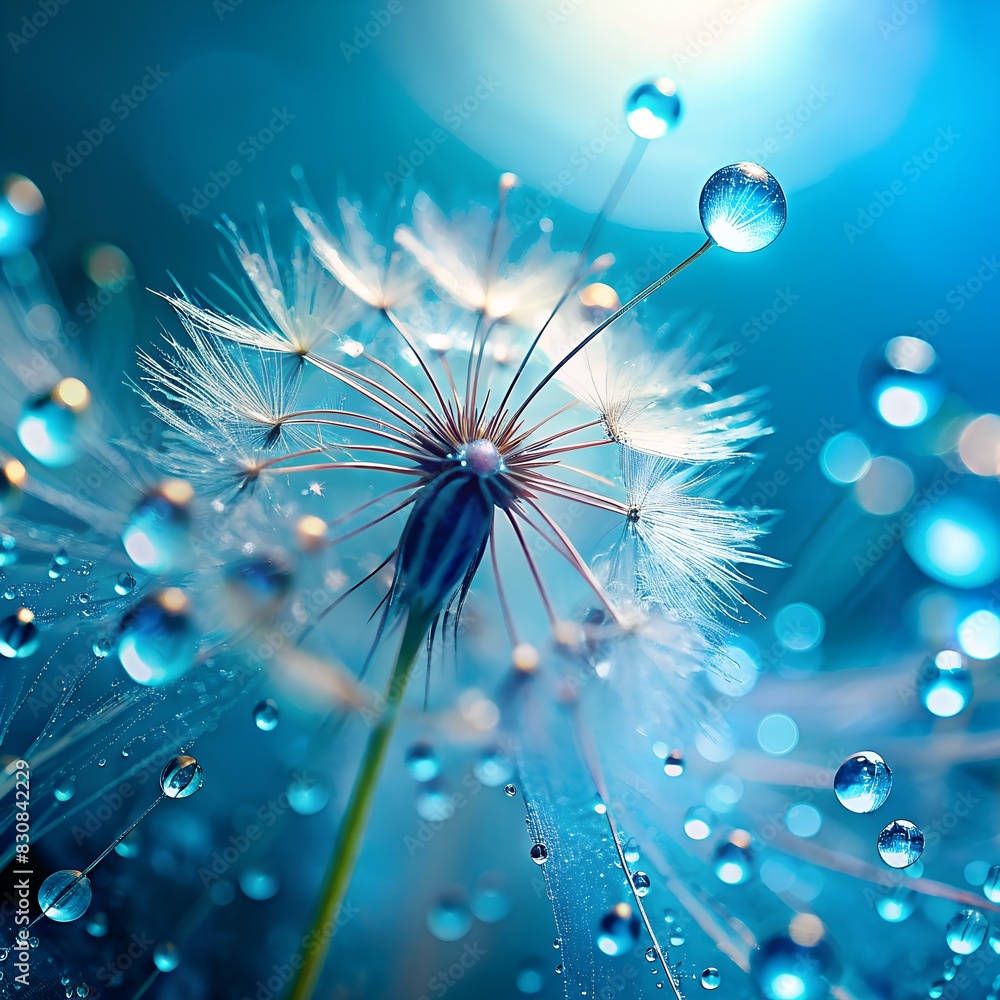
(156, 536)
(49, 425)
(710, 978)
(449, 919)
(530, 976)
(494, 767)
(166, 956)
(863, 782)
(8, 549)
(265, 715)
(783, 969)
(83, 598)
(125, 584)
(490, 903)
(65, 789)
(102, 762)
(19, 635)
(258, 883)
(157, 640)
(944, 684)
(966, 931)
(699, 821)
(130, 847)
(904, 381)
(434, 805)
(65, 895)
(423, 762)
(641, 882)
(653, 108)
(900, 844)
(733, 859)
(539, 853)
(308, 796)
(600, 806)
(676, 936)
(991, 887)
(9, 594)
(12, 477)
(631, 850)
(936, 989)
(262, 582)
(510, 790)
(97, 924)
(101, 647)
(651, 955)
(182, 777)
(673, 766)
(618, 930)
(896, 905)
(742, 207)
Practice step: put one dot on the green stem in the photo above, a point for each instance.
(355, 819)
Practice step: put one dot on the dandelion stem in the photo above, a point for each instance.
(355, 819)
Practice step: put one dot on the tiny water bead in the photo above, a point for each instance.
(450, 919)
(640, 880)
(265, 715)
(710, 978)
(539, 853)
(991, 887)
(896, 905)
(966, 931)
(699, 821)
(19, 636)
(742, 208)
(863, 782)
(510, 790)
(900, 844)
(673, 766)
(156, 535)
(166, 957)
(653, 108)
(182, 777)
(618, 930)
(944, 684)
(157, 641)
(125, 584)
(423, 762)
(65, 895)
(733, 859)
(49, 425)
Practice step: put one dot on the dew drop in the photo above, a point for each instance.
(653, 108)
(991, 887)
(101, 647)
(863, 782)
(618, 930)
(510, 790)
(157, 640)
(530, 976)
(944, 684)
(631, 850)
(494, 767)
(900, 844)
(125, 584)
(733, 859)
(65, 789)
(450, 918)
(710, 978)
(699, 821)
(423, 762)
(166, 956)
(673, 766)
(641, 882)
(97, 924)
(265, 715)
(182, 777)
(258, 883)
(966, 931)
(539, 853)
(19, 636)
(307, 796)
(650, 954)
(742, 207)
(65, 895)
(676, 936)
(156, 535)
(896, 905)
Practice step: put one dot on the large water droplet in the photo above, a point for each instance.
(166, 956)
(65, 895)
(19, 635)
(710, 978)
(966, 931)
(641, 882)
(156, 535)
(742, 207)
(653, 108)
(423, 762)
(991, 887)
(539, 853)
(265, 715)
(157, 640)
(450, 918)
(863, 782)
(944, 684)
(182, 777)
(900, 844)
(125, 584)
(618, 930)
(49, 426)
